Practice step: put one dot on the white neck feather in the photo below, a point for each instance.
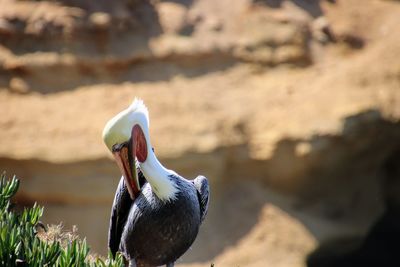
(158, 177)
(156, 174)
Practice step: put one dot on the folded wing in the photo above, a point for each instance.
(203, 193)
(119, 213)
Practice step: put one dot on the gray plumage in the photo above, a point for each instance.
(119, 213)
(201, 185)
(152, 232)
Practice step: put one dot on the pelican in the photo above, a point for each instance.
(156, 213)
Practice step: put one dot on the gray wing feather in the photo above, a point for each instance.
(119, 214)
(203, 193)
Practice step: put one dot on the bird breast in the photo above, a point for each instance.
(158, 232)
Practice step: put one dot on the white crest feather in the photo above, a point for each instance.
(139, 107)
(118, 128)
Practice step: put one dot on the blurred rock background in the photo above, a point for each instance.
(290, 107)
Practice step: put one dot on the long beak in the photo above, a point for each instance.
(125, 156)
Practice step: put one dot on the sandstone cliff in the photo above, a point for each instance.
(291, 108)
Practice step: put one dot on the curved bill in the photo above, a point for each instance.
(125, 156)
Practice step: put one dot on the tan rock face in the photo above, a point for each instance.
(295, 124)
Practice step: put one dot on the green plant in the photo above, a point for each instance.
(20, 244)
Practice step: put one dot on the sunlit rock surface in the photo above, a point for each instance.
(291, 109)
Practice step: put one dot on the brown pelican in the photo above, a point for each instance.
(152, 223)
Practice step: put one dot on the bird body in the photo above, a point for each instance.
(164, 230)
(156, 213)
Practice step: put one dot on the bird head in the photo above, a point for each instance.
(126, 135)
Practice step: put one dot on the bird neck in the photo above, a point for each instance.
(159, 178)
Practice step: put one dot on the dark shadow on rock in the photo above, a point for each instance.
(89, 28)
(63, 77)
(380, 245)
(270, 3)
(379, 248)
(333, 182)
(338, 179)
(312, 7)
(186, 3)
